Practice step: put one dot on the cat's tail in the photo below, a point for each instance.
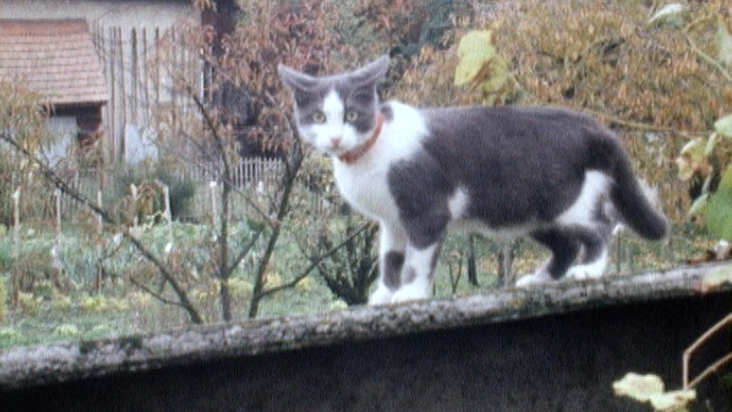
(630, 200)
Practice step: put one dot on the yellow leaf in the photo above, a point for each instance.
(639, 387)
(672, 400)
(474, 52)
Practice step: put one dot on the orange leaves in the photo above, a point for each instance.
(605, 57)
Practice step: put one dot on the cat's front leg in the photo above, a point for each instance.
(392, 245)
(418, 273)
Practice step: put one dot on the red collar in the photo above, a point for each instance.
(351, 157)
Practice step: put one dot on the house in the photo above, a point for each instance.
(57, 60)
(123, 34)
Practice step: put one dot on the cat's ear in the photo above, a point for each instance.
(372, 73)
(296, 81)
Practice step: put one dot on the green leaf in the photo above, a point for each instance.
(723, 126)
(699, 205)
(691, 158)
(671, 14)
(726, 180)
(711, 144)
(719, 213)
(724, 42)
(474, 52)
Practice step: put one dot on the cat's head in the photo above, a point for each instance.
(337, 114)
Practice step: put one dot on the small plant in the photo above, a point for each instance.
(650, 388)
(118, 304)
(94, 304)
(29, 304)
(695, 161)
(10, 334)
(304, 285)
(140, 300)
(102, 329)
(61, 304)
(240, 288)
(67, 331)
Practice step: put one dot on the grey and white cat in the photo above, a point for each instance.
(552, 174)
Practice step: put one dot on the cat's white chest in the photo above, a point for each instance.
(365, 187)
(365, 184)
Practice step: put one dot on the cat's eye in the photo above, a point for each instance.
(351, 116)
(318, 117)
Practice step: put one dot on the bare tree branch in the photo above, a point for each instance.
(314, 264)
(154, 294)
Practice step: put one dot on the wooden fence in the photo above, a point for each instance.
(253, 178)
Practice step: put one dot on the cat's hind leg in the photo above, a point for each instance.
(392, 253)
(595, 254)
(564, 247)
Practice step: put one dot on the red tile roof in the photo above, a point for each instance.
(55, 58)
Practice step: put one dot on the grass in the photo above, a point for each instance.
(48, 315)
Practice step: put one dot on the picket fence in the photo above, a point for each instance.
(253, 178)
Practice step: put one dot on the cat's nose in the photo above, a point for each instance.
(336, 141)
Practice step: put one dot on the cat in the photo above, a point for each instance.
(553, 174)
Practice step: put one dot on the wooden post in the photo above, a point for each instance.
(16, 246)
(168, 217)
(214, 207)
(100, 247)
(133, 190)
(100, 221)
(58, 220)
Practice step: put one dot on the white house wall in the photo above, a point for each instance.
(125, 14)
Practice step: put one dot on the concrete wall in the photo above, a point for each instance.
(564, 363)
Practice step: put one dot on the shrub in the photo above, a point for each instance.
(240, 287)
(150, 201)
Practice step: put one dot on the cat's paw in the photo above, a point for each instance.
(587, 271)
(381, 296)
(409, 293)
(531, 280)
(541, 276)
(584, 272)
